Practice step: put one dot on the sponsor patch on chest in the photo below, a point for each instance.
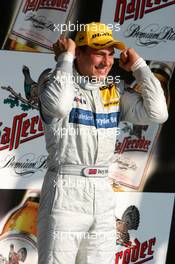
(110, 96)
(89, 118)
(79, 100)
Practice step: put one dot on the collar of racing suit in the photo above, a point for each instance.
(85, 82)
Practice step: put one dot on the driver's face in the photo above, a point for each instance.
(95, 63)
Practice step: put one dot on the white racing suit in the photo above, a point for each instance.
(76, 222)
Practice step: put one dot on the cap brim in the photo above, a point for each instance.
(120, 45)
(101, 45)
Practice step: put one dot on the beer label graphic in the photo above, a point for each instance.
(142, 26)
(138, 9)
(38, 23)
(18, 234)
(135, 146)
(141, 236)
(133, 151)
(22, 152)
(17, 248)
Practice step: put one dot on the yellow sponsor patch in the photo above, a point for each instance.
(110, 96)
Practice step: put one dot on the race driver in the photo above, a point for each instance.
(81, 109)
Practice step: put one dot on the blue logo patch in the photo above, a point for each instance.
(88, 118)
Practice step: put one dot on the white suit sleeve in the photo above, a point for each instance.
(56, 92)
(148, 107)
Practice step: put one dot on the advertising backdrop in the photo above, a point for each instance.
(148, 228)
(148, 26)
(22, 152)
(143, 219)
